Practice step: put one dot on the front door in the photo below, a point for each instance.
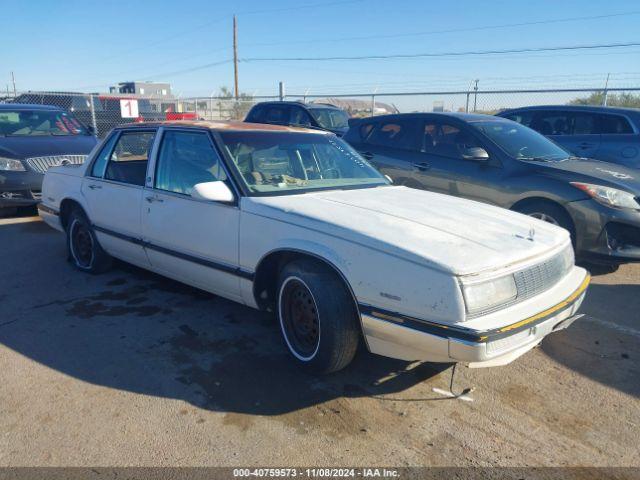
(113, 191)
(191, 240)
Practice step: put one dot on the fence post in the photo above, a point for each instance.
(606, 91)
(373, 104)
(93, 115)
(475, 96)
(281, 93)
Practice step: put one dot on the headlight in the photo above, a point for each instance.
(611, 197)
(11, 165)
(484, 295)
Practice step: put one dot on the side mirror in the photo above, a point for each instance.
(475, 153)
(212, 192)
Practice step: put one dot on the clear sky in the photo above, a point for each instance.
(88, 45)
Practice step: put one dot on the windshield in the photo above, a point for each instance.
(521, 142)
(330, 118)
(39, 122)
(278, 162)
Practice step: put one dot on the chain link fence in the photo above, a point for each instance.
(103, 111)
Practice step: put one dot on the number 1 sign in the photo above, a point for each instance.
(129, 108)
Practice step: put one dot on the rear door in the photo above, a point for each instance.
(392, 146)
(576, 131)
(113, 191)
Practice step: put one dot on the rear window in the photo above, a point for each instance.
(255, 115)
(277, 115)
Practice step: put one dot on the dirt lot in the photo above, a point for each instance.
(128, 368)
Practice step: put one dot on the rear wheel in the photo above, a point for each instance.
(84, 249)
(317, 315)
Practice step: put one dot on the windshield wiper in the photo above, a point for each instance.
(543, 159)
(535, 159)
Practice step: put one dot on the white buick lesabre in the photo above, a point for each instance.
(295, 221)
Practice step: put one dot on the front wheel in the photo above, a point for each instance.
(318, 317)
(550, 213)
(83, 247)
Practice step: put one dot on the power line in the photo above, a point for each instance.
(454, 30)
(298, 7)
(442, 54)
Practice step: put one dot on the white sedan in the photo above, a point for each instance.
(295, 221)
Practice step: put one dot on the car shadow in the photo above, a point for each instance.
(147, 334)
(605, 345)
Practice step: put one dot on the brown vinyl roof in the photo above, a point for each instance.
(224, 125)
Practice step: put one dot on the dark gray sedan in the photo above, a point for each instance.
(497, 161)
(604, 133)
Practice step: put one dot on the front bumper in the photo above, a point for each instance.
(20, 189)
(605, 235)
(406, 338)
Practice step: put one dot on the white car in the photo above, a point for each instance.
(295, 221)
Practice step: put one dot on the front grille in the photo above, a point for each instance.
(42, 164)
(541, 277)
(535, 280)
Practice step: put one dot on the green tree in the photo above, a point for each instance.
(613, 100)
(231, 108)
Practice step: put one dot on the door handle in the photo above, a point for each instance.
(152, 199)
(95, 187)
(586, 145)
(421, 166)
(367, 155)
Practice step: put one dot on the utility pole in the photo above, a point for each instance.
(235, 57)
(13, 80)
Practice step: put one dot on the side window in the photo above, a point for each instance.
(100, 164)
(128, 161)
(552, 123)
(583, 124)
(565, 123)
(186, 159)
(614, 124)
(365, 131)
(300, 117)
(524, 118)
(446, 140)
(394, 134)
(277, 114)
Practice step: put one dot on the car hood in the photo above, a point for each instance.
(594, 171)
(459, 236)
(38, 146)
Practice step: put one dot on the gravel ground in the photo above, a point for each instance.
(129, 368)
